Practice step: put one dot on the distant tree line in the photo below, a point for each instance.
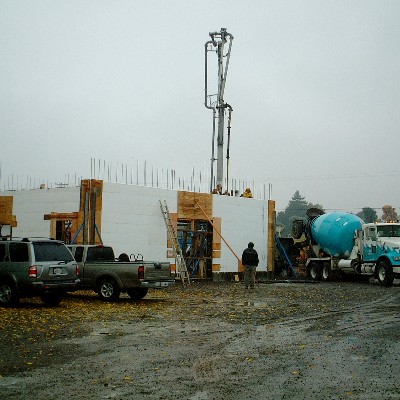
(296, 209)
(298, 206)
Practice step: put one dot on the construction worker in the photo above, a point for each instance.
(218, 189)
(247, 193)
(250, 263)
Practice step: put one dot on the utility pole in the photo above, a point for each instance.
(216, 101)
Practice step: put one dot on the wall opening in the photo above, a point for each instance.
(64, 230)
(195, 238)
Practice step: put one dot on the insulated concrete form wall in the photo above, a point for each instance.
(242, 221)
(30, 206)
(132, 221)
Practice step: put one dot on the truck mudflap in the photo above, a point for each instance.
(157, 284)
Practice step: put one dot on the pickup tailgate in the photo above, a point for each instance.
(155, 271)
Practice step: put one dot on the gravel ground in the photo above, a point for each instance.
(335, 340)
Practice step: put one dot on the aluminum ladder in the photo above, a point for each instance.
(179, 260)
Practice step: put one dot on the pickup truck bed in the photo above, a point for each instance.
(102, 272)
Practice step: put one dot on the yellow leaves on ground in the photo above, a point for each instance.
(296, 373)
(32, 326)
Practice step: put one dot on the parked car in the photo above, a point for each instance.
(36, 267)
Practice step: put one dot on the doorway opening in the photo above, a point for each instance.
(195, 239)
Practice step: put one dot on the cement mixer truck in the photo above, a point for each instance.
(340, 243)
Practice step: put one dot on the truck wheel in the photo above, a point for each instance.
(314, 272)
(137, 293)
(8, 294)
(326, 273)
(108, 290)
(385, 274)
(52, 299)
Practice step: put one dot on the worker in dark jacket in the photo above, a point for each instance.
(250, 263)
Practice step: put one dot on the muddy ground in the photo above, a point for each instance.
(212, 341)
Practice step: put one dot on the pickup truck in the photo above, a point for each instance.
(109, 276)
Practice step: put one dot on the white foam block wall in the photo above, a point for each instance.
(30, 206)
(243, 220)
(132, 221)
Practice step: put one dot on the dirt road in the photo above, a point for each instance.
(213, 341)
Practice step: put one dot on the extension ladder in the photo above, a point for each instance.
(180, 261)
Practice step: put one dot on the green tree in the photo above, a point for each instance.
(389, 214)
(296, 209)
(368, 215)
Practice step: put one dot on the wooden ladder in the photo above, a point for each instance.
(179, 259)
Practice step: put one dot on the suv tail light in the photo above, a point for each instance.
(32, 273)
(77, 270)
(141, 272)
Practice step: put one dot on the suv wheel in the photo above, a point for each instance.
(8, 294)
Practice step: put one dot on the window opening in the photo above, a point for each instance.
(63, 230)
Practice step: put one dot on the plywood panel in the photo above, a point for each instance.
(216, 267)
(216, 254)
(217, 222)
(216, 246)
(91, 186)
(187, 208)
(92, 190)
(6, 208)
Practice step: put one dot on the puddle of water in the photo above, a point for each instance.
(200, 396)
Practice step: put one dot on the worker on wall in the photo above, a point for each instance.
(218, 189)
(247, 193)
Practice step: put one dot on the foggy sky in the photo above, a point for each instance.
(314, 86)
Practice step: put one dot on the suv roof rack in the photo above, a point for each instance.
(26, 238)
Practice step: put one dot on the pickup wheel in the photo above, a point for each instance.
(314, 271)
(108, 290)
(52, 299)
(137, 293)
(8, 294)
(385, 274)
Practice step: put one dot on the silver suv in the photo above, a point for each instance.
(36, 267)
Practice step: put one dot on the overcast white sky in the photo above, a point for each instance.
(314, 86)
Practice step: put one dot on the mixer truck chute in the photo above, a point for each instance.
(341, 243)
